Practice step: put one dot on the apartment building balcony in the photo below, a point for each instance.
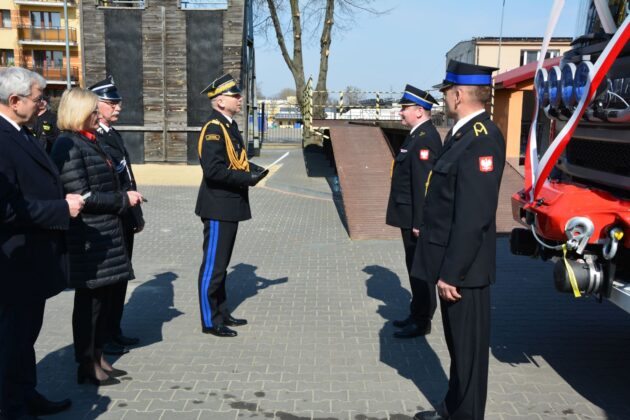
(121, 4)
(56, 75)
(31, 35)
(47, 3)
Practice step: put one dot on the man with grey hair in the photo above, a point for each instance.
(33, 216)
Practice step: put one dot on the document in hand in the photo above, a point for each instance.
(277, 160)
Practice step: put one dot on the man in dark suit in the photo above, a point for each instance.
(109, 107)
(33, 216)
(45, 127)
(410, 171)
(222, 201)
(457, 247)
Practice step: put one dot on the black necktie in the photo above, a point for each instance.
(448, 139)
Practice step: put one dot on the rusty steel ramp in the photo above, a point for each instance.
(363, 158)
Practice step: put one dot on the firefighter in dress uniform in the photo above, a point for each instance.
(457, 246)
(109, 107)
(222, 201)
(410, 170)
(45, 127)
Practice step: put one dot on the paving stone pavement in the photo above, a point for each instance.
(319, 340)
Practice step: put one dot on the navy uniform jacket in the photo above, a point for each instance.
(409, 176)
(458, 236)
(113, 144)
(46, 130)
(33, 217)
(223, 194)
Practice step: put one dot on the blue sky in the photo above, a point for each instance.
(408, 45)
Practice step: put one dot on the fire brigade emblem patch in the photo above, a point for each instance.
(424, 154)
(486, 164)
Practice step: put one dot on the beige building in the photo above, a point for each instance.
(32, 35)
(512, 52)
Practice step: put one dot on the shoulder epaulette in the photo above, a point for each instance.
(479, 129)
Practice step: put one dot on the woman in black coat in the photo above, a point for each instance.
(97, 254)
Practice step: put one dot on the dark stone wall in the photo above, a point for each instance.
(204, 63)
(134, 142)
(123, 58)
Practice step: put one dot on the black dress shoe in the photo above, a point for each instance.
(402, 322)
(126, 341)
(413, 330)
(234, 322)
(115, 373)
(83, 375)
(429, 415)
(220, 331)
(41, 406)
(115, 349)
(440, 413)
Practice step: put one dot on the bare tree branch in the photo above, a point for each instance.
(321, 96)
(308, 16)
(273, 12)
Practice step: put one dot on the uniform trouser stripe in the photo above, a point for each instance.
(207, 274)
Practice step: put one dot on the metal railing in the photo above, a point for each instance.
(71, 3)
(357, 105)
(275, 125)
(36, 34)
(131, 4)
(55, 73)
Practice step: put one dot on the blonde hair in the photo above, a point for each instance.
(75, 108)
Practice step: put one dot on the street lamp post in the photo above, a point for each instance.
(65, 13)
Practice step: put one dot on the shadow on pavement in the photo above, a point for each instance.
(320, 163)
(149, 307)
(413, 359)
(243, 283)
(586, 343)
(57, 380)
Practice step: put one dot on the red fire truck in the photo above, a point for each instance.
(577, 211)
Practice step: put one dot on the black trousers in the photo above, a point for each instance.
(467, 332)
(119, 292)
(423, 298)
(218, 243)
(91, 322)
(20, 324)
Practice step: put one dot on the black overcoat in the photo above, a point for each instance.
(458, 235)
(33, 217)
(96, 248)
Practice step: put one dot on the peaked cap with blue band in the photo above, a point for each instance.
(106, 90)
(458, 73)
(415, 96)
(224, 85)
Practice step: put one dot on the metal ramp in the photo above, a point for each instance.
(363, 158)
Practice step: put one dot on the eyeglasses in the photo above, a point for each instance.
(36, 100)
(113, 104)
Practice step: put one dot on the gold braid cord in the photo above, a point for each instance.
(237, 163)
